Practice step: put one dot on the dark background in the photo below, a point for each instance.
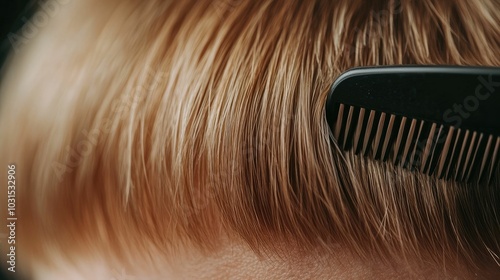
(12, 13)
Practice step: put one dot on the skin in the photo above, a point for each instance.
(236, 261)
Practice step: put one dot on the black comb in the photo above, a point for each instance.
(443, 121)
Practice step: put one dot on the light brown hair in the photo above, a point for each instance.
(139, 124)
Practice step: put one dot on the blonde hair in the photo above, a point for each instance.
(159, 123)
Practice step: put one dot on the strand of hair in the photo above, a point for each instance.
(436, 144)
(427, 149)
(399, 139)
(378, 136)
(473, 162)
(453, 153)
(494, 160)
(387, 137)
(348, 126)
(459, 162)
(445, 152)
(359, 128)
(369, 128)
(413, 163)
(486, 156)
(411, 134)
(338, 125)
(469, 154)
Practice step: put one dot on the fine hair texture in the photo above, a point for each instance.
(154, 124)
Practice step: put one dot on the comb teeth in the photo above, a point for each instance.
(434, 149)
